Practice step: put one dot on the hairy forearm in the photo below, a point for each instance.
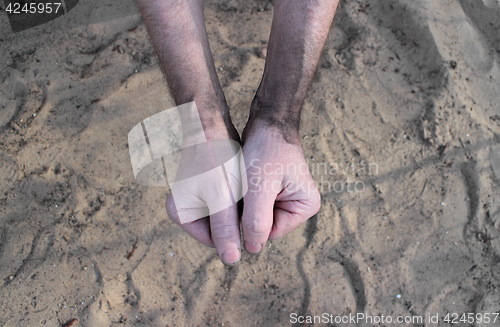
(177, 30)
(298, 34)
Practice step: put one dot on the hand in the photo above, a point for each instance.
(202, 191)
(281, 192)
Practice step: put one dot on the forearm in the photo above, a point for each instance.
(177, 30)
(298, 34)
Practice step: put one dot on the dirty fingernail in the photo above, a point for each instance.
(231, 257)
(253, 247)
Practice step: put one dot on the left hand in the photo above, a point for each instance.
(281, 192)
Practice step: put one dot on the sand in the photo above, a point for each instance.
(401, 129)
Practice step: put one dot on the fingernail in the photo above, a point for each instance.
(253, 247)
(231, 257)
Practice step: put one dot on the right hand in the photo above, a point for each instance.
(198, 197)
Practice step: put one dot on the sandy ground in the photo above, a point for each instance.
(401, 129)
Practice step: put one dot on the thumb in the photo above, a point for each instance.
(258, 204)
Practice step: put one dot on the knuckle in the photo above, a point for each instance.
(257, 227)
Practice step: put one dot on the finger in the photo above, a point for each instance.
(257, 218)
(198, 229)
(293, 208)
(285, 222)
(225, 232)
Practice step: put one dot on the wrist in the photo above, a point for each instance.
(217, 123)
(281, 132)
(220, 129)
(277, 116)
(206, 121)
